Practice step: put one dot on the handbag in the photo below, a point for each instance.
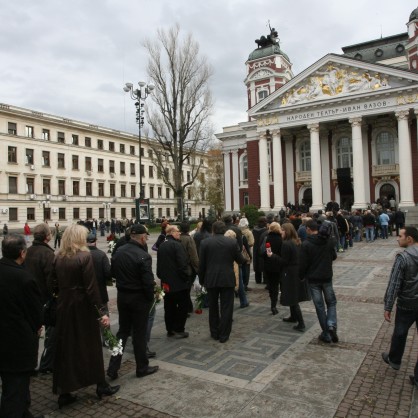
(245, 255)
(154, 247)
(49, 312)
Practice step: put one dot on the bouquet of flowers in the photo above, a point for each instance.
(200, 300)
(111, 246)
(115, 346)
(159, 293)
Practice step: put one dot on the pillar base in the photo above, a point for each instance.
(315, 208)
(406, 204)
(359, 205)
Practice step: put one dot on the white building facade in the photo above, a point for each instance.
(61, 170)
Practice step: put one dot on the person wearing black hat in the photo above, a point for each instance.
(132, 268)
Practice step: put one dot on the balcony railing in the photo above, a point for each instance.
(385, 170)
(303, 176)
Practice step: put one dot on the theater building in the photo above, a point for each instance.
(344, 129)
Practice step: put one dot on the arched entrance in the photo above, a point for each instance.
(387, 191)
(307, 197)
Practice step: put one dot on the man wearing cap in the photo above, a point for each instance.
(101, 268)
(132, 268)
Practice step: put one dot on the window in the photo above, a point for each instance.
(112, 189)
(76, 213)
(159, 173)
(167, 212)
(122, 148)
(151, 171)
(243, 169)
(246, 199)
(150, 153)
(100, 144)
(30, 214)
(112, 212)
(123, 213)
(61, 187)
(12, 184)
(305, 156)
(122, 167)
(101, 213)
(122, 190)
(167, 173)
(262, 94)
(111, 146)
(344, 153)
(89, 188)
(142, 170)
(46, 135)
(76, 188)
(101, 189)
(160, 193)
(46, 159)
(74, 159)
(30, 185)
(12, 128)
(46, 186)
(12, 214)
(167, 193)
(188, 160)
(142, 192)
(132, 150)
(61, 160)
(61, 137)
(29, 156)
(29, 131)
(142, 152)
(133, 190)
(111, 166)
(385, 148)
(74, 139)
(87, 163)
(133, 214)
(87, 142)
(100, 167)
(12, 155)
(189, 177)
(61, 214)
(151, 192)
(132, 169)
(189, 194)
(89, 213)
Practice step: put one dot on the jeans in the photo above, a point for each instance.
(384, 231)
(241, 290)
(327, 318)
(369, 233)
(403, 321)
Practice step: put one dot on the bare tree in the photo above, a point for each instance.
(182, 107)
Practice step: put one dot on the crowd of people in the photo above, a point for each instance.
(291, 254)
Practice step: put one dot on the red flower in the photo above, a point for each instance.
(166, 287)
(198, 311)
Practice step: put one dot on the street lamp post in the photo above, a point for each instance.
(139, 95)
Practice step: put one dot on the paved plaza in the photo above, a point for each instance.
(267, 369)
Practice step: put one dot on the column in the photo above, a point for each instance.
(278, 171)
(264, 174)
(235, 181)
(405, 160)
(228, 191)
(316, 172)
(358, 167)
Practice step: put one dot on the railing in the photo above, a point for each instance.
(385, 170)
(303, 176)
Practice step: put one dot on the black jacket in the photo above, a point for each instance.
(216, 261)
(102, 269)
(39, 260)
(258, 260)
(132, 268)
(317, 255)
(20, 313)
(172, 264)
(275, 241)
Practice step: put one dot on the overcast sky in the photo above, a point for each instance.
(72, 58)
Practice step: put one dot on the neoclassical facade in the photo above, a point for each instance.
(344, 129)
(61, 170)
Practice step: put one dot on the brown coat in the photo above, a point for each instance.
(79, 355)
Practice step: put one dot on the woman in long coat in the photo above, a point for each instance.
(293, 290)
(79, 355)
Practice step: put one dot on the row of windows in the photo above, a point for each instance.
(62, 213)
(76, 191)
(12, 157)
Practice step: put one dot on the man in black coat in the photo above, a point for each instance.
(216, 273)
(21, 321)
(173, 270)
(39, 259)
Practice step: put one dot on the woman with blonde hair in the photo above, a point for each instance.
(79, 355)
(272, 268)
(292, 289)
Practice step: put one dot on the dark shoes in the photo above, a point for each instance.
(45, 371)
(147, 372)
(150, 354)
(214, 336)
(171, 333)
(274, 311)
(325, 338)
(223, 340)
(112, 375)
(66, 399)
(333, 332)
(290, 319)
(106, 390)
(413, 381)
(246, 305)
(386, 359)
(299, 327)
(180, 335)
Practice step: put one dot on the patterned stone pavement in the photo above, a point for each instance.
(267, 369)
